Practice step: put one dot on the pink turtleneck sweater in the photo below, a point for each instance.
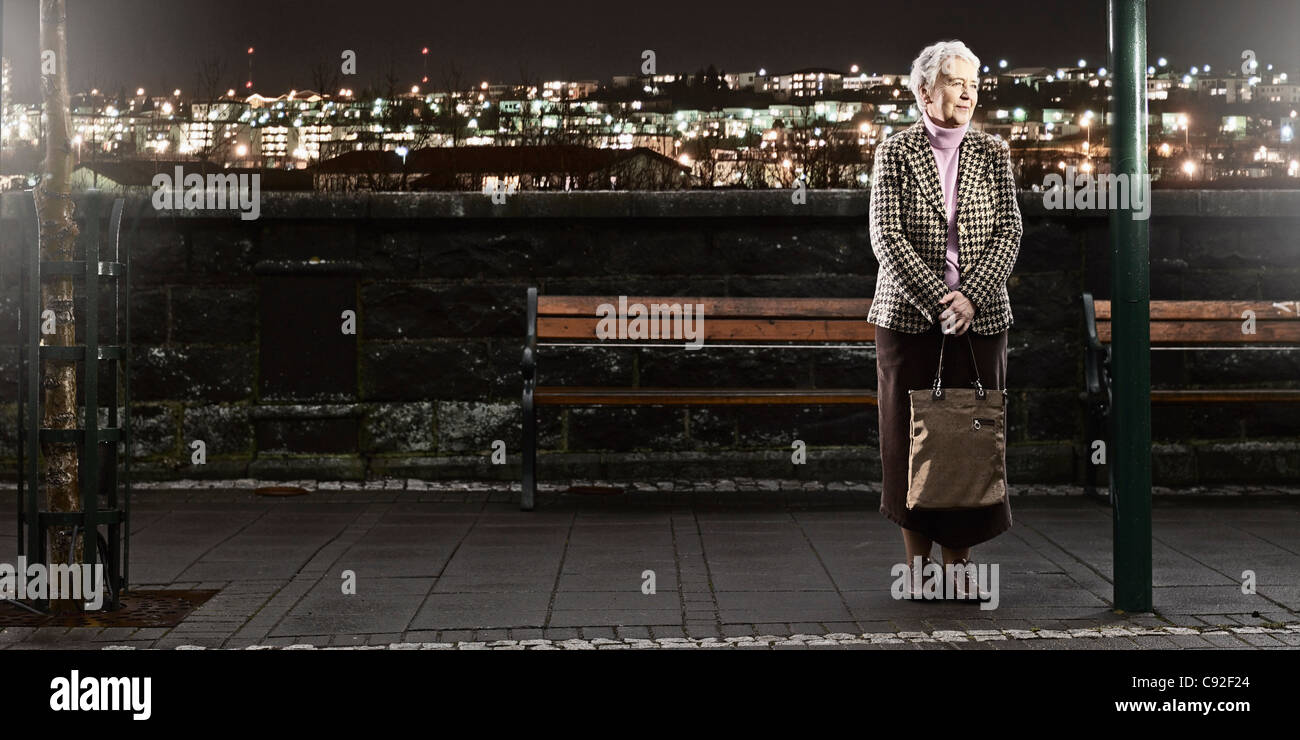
(946, 144)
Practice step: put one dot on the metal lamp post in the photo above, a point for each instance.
(1130, 301)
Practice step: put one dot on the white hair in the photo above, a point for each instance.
(932, 59)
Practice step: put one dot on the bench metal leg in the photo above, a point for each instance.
(528, 489)
(1093, 431)
(1098, 428)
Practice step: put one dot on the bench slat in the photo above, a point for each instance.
(830, 308)
(1248, 395)
(565, 396)
(1211, 310)
(793, 330)
(1211, 332)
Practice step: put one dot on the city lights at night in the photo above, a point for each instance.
(670, 113)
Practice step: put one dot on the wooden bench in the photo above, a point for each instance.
(777, 323)
(1186, 325)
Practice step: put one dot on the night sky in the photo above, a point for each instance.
(157, 45)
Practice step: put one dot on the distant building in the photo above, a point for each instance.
(23, 122)
(741, 80)
(1227, 89)
(1158, 88)
(119, 176)
(864, 81)
(476, 168)
(801, 83)
(1030, 77)
(1279, 93)
(569, 90)
(213, 127)
(4, 100)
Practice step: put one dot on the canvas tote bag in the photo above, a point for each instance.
(959, 449)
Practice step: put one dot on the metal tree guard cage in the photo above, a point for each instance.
(105, 496)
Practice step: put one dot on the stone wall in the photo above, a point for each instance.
(238, 341)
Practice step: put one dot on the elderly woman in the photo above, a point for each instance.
(945, 227)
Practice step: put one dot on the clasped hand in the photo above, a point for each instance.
(957, 318)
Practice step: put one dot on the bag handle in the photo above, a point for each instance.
(938, 383)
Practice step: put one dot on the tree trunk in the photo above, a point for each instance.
(55, 210)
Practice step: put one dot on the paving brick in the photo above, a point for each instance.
(737, 630)
(15, 634)
(114, 634)
(1012, 644)
(1156, 642)
(1261, 640)
(1190, 641)
(1230, 641)
(702, 629)
(206, 641)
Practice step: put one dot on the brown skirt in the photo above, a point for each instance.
(907, 362)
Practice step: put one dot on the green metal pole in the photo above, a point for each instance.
(1131, 313)
(2, 108)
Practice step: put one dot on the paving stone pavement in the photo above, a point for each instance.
(737, 564)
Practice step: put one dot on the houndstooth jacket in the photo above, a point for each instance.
(909, 231)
